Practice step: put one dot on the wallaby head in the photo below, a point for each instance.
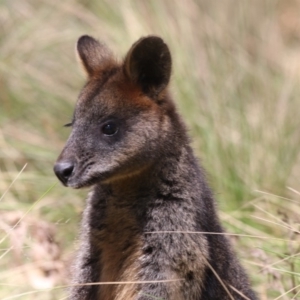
(123, 116)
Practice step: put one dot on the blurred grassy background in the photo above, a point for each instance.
(236, 70)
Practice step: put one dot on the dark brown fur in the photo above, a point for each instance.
(149, 193)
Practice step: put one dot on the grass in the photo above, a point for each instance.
(236, 82)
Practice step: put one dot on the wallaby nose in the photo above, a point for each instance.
(63, 171)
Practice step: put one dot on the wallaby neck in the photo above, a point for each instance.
(170, 177)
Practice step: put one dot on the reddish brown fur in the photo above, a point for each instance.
(120, 253)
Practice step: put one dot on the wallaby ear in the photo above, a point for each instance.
(148, 64)
(94, 55)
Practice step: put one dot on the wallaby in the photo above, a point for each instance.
(146, 228)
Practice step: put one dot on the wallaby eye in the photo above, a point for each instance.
(110, 128)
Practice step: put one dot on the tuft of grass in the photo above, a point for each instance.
(236, 83)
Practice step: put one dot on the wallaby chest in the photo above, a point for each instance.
(117, 235)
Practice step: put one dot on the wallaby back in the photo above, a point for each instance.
(149, 201)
